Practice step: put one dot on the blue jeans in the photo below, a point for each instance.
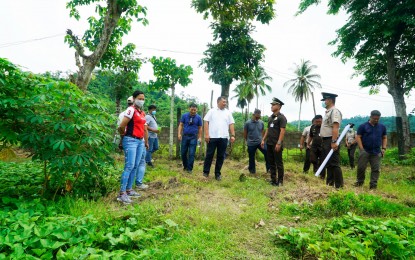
(134, 152)
(251, 152)
(189, 144)
(153, 145)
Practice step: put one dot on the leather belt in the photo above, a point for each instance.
(135, 137)
(325, 138)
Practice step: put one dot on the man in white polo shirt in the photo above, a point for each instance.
(218, 123)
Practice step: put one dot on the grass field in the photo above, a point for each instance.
(184, 216)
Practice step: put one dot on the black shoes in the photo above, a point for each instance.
(150, 164)
(218, 178)
(276, 183)
(357, 184)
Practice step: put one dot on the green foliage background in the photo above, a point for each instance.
(59, 125)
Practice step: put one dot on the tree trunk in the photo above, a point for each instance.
(178, 116)
(225, 93)
(299, 116)
(84, 74)
(314, 105)
(257, 101)
(400, 108)
(211, 99)
(171, 123)
(89, 62)
(244, 141)
(397, 91)
(117, 106)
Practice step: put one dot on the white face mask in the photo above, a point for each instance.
(323, 104)
(139, 103)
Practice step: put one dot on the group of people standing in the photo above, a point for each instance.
(322, 136)
(139, 141)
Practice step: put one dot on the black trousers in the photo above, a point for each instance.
(351, 152)
(316, 158)
(334, 172)
(307, 162)
(275, 163)
(220, 145)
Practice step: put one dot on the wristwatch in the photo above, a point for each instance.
(333, 141)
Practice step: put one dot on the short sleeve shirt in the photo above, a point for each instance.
(306, 133)
(191, 124)
(254, 131)
(151, 122)
(371, 136)
(275, 123)
(120, 117)
(333, 115)
(135, 126)
(350, 136)
(219, 121)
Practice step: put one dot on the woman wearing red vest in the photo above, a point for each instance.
(133, 130)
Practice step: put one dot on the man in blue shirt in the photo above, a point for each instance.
(191, 124)
(372, 140)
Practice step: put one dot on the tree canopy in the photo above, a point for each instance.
(103, 39)
(234, 53)
(168, 74)
(379, 36)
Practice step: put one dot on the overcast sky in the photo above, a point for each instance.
(33, 31)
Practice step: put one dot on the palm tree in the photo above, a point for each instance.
(257, 79)
(301, 87)
(244, 94)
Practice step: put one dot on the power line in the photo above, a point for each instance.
(269, 69)
(9, 44)
(173, 51)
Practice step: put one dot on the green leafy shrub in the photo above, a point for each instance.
(392, 157)
(352, 237)
(34, 230)
(23, 179)
(66, 129)
(340, 203)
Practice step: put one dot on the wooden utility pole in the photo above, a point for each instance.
(179, 116)
(202, 142)
(211, 100)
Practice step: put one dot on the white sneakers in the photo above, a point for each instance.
(142, 187)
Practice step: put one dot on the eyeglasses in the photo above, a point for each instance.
(191, 121)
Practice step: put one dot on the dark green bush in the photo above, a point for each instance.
(352, 237)
(32, 229)
(67, 130)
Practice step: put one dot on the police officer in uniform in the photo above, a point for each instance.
(314, 143)
(274, 136)
(329, 132)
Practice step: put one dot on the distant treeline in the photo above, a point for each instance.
(162, 101)
(389, 122)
